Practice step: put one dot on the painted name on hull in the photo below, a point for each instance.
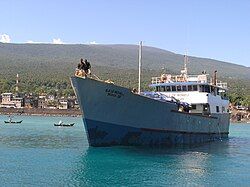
(114, 93)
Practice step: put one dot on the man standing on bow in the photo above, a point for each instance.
(87, 67)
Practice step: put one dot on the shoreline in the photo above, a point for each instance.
(239, 122)
(41, 112)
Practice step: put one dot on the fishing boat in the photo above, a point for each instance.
(182, 110)
(61, 124)
(11, 121)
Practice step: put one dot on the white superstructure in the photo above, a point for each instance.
(206, 96)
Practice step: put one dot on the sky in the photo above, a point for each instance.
(217, 29)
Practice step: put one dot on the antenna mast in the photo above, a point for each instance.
(140, 59)
(184, 71)
(185, 63)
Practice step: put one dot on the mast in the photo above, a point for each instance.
(140, 59)
(184, 71)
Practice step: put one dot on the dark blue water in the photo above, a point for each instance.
(35, 153)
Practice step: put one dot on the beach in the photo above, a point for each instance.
(40, 112)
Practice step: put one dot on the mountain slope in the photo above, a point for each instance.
(43, 59)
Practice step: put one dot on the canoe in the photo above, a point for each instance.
(13, 121)
(64, 125)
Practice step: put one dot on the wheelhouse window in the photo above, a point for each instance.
(163, 88)
(190, 88)
(201, 88)
(195, 87)
(168, 88)
(204, 88)
(184, 88)
(207, 88)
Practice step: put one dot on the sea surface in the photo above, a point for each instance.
(35, 153)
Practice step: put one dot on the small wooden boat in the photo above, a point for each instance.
(61, 124)
(10, 121)
(64, 125)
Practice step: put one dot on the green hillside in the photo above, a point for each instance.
(117, 56)
(47, 67)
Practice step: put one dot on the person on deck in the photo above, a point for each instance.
(80, 68)
(87, 67)
(83, 68)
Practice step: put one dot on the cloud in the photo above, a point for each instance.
(57, 41)
(32, 42)
(4, 38)
(54, 41)
(93, 43)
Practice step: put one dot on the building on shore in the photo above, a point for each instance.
(18, 100)
(63, 104)
(72, 102)
(30, 102)
(41, 102)
(10, 101)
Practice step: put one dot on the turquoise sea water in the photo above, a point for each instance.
(35, 153)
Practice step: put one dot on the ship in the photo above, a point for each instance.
(181, 110)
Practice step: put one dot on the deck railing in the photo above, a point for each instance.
(190, 78)
(173, 78)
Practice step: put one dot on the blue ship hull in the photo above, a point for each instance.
(113, 115)
(105, 134)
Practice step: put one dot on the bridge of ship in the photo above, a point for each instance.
(203, 95)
